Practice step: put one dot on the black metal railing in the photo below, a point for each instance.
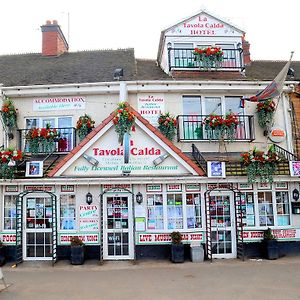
(184, 58)
(65, 141)
(284, 154)
(199, 158)
(191, 128)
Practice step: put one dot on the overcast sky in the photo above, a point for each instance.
(272, 27)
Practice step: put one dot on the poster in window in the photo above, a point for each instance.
(34, 169)
(216, 169)
(295, 168)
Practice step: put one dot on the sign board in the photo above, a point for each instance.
(151, 106)
(89, 239)
(277, 135)
(203, 25)
(58, 103)
(295, 168)
(88, 217)
(216, 169)
(280, 234)
(165, 238)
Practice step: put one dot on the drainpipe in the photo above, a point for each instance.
(286, 125)
(123, 95)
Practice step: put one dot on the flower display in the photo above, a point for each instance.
(8, 159)
(84, 126)
(9, 114)
(210, 57)
(265, 112)
(167, 125)
(42, 139)
(260, 164)
(219, 126)
(123, 120)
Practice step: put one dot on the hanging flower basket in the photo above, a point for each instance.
(265, 112)
(84, 126)
(9, 114)
(8, 161)
(167, 125)
(221, 127)
(42, 140)
(259, 164)
(123, 120)
(210, 57)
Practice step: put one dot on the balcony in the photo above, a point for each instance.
(64, 143)
(183, 58)
(191, 128)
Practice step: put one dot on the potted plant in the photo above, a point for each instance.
(177, 247)
(77, 251)
(9, 114)
(167, 125)
(265, 113)
(84, 126)
(270, 245)
(123, 120)
(8, 161)
(260, 164)
(42, 140)
(2, 253)
(209, 57)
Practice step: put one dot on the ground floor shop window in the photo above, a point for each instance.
(173, 211)
(248, 208)
(193, 211)
(265, 209)
(155, 211)
(282, 208)
(9, 212)
(67, 212)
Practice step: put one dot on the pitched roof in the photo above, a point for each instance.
(105, 122)
(72, 67)
(98, 66)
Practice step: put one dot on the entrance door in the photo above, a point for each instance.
(118, 235)
(223, 234)
(38, 228)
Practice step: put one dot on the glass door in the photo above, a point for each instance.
(118, 236)
(38, 228)
(223, 233)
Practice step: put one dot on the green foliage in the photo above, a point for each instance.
(176, 237)
(167, 125)
(76, 241)
(268, 235)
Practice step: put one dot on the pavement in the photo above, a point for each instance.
(221, 280)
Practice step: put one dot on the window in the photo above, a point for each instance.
(183, 54)
(248, 209)
(193, 211)
(174, 211)
(65, 129)
(67, 212)
(265, 209)
(282, 208)
(9, 212)
(213, 105)
(155, 211)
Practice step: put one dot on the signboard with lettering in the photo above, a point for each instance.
(280, 234)
(88, 239)
(165, 238)
(58, 103)
(151, 106)
(203, 25)
(88, 217)
(48, 188)
(110, 155)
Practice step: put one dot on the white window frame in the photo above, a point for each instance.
(3, 212)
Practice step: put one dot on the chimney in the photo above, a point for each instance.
(246, 51)
(54, 42)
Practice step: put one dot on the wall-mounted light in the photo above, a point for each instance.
(295, 194)
(157, 161)
(139, 198)
(126, 172)
(89, 198)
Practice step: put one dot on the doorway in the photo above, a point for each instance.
(223, 233)
(117, 227)
(37, 238)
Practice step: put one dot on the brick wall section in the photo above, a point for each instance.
(295, 99)
(53, 40)
(207, 75)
